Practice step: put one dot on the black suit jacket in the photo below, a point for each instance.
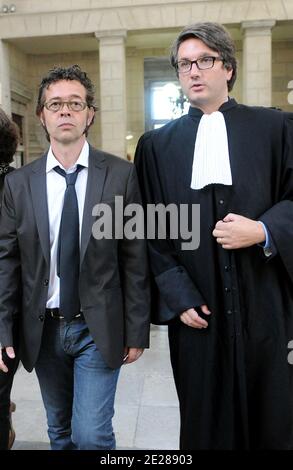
(114, 288)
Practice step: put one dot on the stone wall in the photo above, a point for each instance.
(35, 18)
(253, 24)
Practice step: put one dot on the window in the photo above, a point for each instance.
(167, 102)
(164, 99)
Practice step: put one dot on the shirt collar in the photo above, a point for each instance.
(83, 159)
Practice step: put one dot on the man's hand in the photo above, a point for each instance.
(236, 231)
(131, 355)
(10, 353)
(191, 318)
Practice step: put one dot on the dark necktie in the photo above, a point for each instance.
(68, 248)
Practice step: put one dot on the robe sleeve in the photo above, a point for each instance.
(173, 290)
(279, 218)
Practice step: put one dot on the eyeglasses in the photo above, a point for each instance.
(55, 106)
(203, 63)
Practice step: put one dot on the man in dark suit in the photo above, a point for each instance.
(85, 301)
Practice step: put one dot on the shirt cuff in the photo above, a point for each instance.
(266, 245)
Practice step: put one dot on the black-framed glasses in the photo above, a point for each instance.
(74, 105)
(203, 63)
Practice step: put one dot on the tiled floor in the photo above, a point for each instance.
(146, 415)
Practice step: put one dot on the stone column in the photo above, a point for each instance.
(113, 91)
(5, 95)
(257, 62)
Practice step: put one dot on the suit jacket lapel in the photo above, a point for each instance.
(38, 185)
(95, 184)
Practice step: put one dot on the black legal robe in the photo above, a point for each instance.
(233, 379)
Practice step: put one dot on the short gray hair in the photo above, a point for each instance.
(216, 37)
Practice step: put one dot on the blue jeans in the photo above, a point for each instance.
(77, 387)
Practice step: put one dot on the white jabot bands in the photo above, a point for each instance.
(211, 164)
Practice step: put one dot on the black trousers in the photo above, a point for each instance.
(6, 381)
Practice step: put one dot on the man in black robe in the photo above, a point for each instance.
(229, 303)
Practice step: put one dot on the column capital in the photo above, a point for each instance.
(111, 36)
(257, 27)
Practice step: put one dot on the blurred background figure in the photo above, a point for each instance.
(9, 137)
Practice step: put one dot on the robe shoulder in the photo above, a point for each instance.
(163, 132)
(252, 115)
(269, 114)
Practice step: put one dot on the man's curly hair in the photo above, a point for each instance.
(73, 72)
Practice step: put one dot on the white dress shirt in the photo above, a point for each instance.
(56, 186)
